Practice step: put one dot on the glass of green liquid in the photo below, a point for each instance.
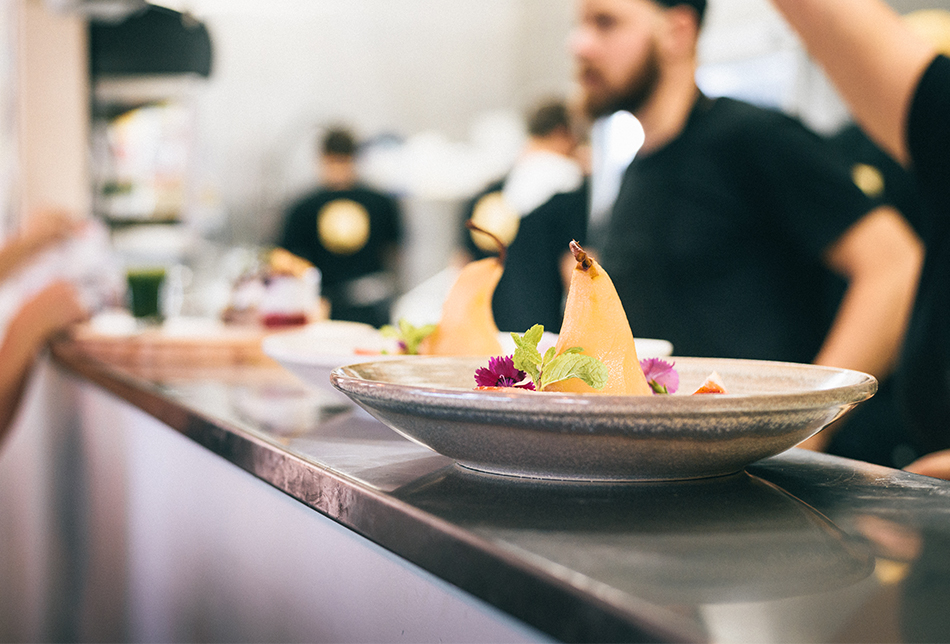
(145, 287)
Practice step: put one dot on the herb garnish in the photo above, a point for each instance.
(409, 336)
(550, 368)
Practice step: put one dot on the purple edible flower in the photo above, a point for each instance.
(501, 372)
(661, 376)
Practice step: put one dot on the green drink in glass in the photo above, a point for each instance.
(145, 285)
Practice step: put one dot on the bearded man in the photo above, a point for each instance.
(737, 232)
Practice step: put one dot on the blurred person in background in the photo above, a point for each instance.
(735, 225)
(881, 177)
(44, 314)
(536, 209)
(350, 232)
(872, 168)
(897, 85)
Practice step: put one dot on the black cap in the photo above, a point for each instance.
(698, 5)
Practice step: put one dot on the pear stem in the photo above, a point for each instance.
(583, 260)
(502, 247)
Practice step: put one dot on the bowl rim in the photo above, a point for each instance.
(857, 387)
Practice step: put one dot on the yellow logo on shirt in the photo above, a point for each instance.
(869, 179)
(343, 227)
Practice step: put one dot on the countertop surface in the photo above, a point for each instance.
(799, 547)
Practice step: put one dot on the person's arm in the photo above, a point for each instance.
(881, 257)
(50, 311)
(42, 230)
(870, 55)
(935, 464)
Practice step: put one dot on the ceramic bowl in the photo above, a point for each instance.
(770, 407)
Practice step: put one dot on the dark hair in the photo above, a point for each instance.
(548, 117)
(698, 5)
(339, 141)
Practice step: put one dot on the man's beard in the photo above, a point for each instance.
(639, 90)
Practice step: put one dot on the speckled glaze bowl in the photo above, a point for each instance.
(771, 407)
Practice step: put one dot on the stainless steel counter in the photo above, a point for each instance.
(800, 547)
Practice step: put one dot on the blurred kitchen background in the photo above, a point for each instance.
(188, 125)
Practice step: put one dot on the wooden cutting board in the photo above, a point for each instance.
(229, 345)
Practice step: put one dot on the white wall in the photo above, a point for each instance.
(282, 69)
(52, 114)
(43, 112)
(9, 155)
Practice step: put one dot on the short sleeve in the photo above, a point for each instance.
(928, 134)
(804, 182)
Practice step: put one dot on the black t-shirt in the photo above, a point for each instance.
(344, 233)
(924, 374)
(879, 175)
(716, 240)
(531, 289)
(875, 431)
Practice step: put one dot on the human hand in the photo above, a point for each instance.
(51, 310)
(47, 227)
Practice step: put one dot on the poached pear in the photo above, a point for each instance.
(467, 325)
(594, 320)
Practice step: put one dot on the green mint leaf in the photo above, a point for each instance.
(527, 358)
(549, 356)
(571, 364)
(410, 336)
(534, 334)
(550, 368)
(415, 338)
